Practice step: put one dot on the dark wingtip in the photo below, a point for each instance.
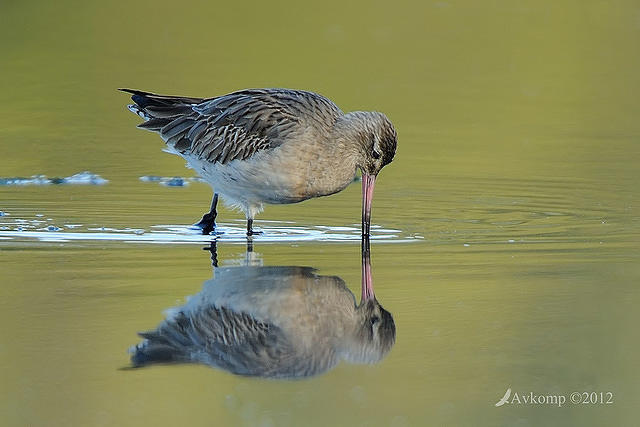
(138, 96)
(150, 353)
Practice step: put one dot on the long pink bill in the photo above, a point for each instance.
(367, 280)
(368, 182)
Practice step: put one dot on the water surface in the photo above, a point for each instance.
(507, 227)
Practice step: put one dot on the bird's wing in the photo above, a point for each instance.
(226, 339)
(233, 126)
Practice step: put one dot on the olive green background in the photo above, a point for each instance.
(516, 171)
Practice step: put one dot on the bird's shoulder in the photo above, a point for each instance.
(258, 111)
(240, 124)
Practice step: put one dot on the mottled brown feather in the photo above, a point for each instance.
(233, 126)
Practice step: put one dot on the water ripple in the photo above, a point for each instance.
(81, 178)
(273, 231)
(175, 181)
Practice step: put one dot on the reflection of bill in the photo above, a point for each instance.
(505, 398)
(279, 322)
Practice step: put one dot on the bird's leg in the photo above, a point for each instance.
(208, 222)
(250, 231)
(213, 249)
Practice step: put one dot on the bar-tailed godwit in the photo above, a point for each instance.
(276, 146)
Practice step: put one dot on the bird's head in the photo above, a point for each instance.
(377, 143)
(374, 335)
(375, 331)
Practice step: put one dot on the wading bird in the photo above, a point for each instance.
(275, 146)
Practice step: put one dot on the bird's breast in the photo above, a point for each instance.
(289, 173)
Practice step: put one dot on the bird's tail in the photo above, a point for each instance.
(170, 116)
(159, 110)
(169, 343)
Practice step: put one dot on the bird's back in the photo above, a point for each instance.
(258, 321)
(233, 126)
(253, 146)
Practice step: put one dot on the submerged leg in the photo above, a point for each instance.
(208, 221)
(213, 249)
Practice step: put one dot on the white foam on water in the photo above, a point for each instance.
(81, 178)
(172, 233)
(170, 181)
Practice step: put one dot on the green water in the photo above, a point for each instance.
(515, 193)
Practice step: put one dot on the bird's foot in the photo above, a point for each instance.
(250, 230)
(207, 224)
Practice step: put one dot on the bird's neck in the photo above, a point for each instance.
(351, 134)
(354, 341)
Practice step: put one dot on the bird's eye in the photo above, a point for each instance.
(376, 154)
(374, 320)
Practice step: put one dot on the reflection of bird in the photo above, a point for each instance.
(275, 146)
(280, 322)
